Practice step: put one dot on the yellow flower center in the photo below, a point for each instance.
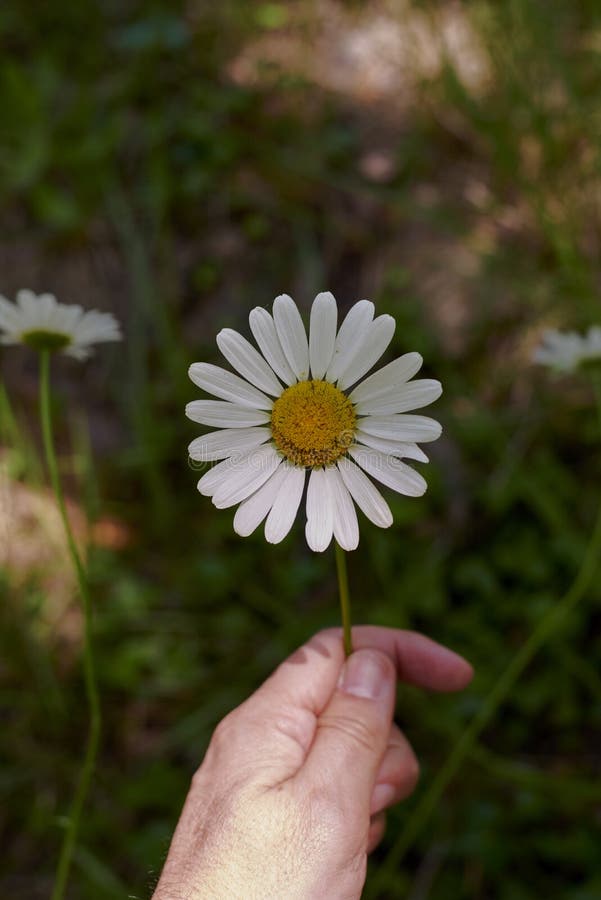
(313, 423)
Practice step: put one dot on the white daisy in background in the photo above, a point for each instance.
(44, 324)
(299, 406)
(567, 351)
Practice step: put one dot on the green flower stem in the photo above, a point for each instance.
(89, 760)
(503, 686)
(345, 604)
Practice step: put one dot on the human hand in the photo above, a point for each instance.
(290, 796)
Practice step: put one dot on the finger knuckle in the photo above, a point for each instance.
(297, 727)
(224, 728)
(360, 732)
(224, 735)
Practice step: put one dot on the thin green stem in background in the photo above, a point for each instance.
(89, 760)
(345, 604)
(14, 435)
(504, 684)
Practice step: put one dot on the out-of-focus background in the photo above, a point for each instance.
(181, 162)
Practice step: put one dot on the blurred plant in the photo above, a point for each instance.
(566, 352)
(47, 326)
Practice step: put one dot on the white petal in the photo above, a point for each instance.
(391, 376)
(346, 527)
(411, 395)
(77, 352)
(247, 477)
(542, 355)
(28, 302)
(548, 357)
(227, 442)
(225, 415)
(218, 474)
(244, 358)
(561, 351)
(221, 383)
(284, 510)
(46, 311)
(390, 471)
(320, 511)
(67, 317)
(264, 333)
(292, 335)
(356, 321)
(401, 428)
(94, 327)
(558, 339)
(253, 510)
(365, 494)
(10, 315)
(375, 341)
(594, 337)
(401, 449)
(322, 333)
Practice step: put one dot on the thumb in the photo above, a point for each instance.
(352, 731)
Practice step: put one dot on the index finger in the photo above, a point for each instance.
(308, 677)
(418, 659)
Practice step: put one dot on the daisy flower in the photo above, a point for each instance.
(567, 351)
(44, 324)
(302, 406)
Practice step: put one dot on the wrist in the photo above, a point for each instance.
(265, 860)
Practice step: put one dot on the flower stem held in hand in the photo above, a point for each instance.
(70, 836)
(345, 605)
(500, 691)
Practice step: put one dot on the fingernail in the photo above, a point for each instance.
(364, 675)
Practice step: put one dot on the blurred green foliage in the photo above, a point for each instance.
(137, 149)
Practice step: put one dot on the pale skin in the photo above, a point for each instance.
(291, 795)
